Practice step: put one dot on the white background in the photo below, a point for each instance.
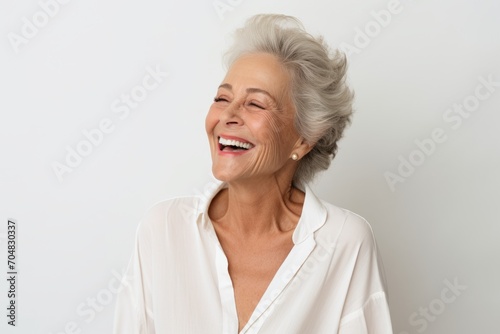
(76, 234)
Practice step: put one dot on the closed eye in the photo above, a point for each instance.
(220, 99)
(257, 105)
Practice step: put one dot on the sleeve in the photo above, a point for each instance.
(367, 309)
(373, 318)
(133, 308)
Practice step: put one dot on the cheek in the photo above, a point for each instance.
(270, 127)
(279, 131)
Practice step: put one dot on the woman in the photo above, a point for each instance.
(261, 253)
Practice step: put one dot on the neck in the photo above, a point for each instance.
(258, 207)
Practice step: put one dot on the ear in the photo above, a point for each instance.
(302, 147)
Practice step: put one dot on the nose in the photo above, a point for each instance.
(231, 115)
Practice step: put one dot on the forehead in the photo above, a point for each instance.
(259, 70)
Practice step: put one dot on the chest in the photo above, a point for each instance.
(253, 269)
(252, 266)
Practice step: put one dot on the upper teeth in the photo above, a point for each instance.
(229, 142)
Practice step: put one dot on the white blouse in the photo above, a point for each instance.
(177, 281)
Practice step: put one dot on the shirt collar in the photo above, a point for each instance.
(312, 218)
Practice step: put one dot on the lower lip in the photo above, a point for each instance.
(233, 153)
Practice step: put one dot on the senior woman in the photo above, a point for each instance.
(260, 253)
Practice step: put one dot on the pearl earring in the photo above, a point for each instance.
(295, 156)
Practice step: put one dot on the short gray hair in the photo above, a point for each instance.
(322, 99)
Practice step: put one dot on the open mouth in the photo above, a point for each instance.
(232, 145)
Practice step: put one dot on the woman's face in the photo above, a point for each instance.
(250, 124)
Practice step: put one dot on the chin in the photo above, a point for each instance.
(221, 175)
(228, 176)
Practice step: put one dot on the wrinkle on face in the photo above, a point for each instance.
(271, 129)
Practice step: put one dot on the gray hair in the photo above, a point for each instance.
(322, 99)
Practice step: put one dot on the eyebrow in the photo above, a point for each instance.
(249, 90)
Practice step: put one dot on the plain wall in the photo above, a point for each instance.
(420, 160)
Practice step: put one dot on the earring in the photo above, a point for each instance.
(295, 156)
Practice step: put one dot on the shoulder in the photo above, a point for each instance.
(351, 228)
(355, 246)
(176, 211)
(354, 263)
(355, 253)
(355, 243)
(335, 222)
